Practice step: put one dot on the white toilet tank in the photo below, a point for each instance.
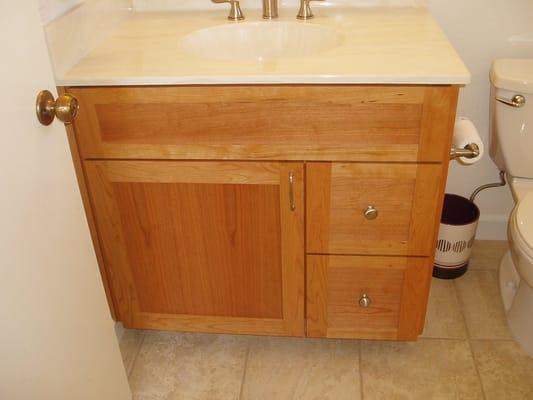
(511, 127)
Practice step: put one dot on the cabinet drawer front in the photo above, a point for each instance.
(358, 123)
(366, 297)
(403, 203)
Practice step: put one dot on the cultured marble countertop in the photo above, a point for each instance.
(377, 46)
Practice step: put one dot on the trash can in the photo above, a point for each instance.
(457, 233)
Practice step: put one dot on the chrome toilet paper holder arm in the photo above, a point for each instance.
(471, 150)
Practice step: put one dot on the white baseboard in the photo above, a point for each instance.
(492, 227)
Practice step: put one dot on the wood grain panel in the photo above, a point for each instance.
(416, 286)
(188, 243)
(82, 183)
(404, 195)
(202, 249)
(343, 280)
(438, 120)
(201, 323)
(226, 172)
(253, 122)
(336, 283)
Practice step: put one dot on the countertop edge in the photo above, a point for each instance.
(269, 80)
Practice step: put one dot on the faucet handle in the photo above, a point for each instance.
(235, 12)
(305, 10)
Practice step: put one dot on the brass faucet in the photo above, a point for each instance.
(305, 10)
(235, 12)
(270, 9)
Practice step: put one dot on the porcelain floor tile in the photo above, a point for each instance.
(130, 345)
(487, 254)
(444, 318)
(301, 369)
(189, 366)
(480, 300)
(427, 369)
(506, 371)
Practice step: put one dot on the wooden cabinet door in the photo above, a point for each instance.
(203, 246)
(406, 201)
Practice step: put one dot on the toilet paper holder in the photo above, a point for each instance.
(471, 150)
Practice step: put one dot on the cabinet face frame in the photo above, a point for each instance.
(438, 115)
(400, 123)
(102, 174)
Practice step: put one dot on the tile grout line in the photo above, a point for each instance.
(468, 338)
(360, 353)
(241, 391)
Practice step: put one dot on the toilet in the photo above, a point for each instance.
(511, 148)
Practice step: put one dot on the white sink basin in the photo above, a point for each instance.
(261, 40)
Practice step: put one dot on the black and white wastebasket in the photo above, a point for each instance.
(457, 233)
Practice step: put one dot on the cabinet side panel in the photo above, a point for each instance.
(415, 295)
(82, 182)
(438, 119)
(426, 204)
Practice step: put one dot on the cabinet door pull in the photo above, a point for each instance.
(292, 204)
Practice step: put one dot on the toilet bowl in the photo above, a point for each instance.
(511, 141)
(516, 274)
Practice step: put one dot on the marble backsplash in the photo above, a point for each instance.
(155, 5)
(73, 34)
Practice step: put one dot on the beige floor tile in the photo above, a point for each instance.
(298, 369)
(506, 371)
(173, 366)
(428, 369)
(487, 254)
(444, 318)
(130, 344)
(480, 300)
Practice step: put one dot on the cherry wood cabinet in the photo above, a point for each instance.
(203, 245)
(368, 297)
(275, 209)
(371, 208)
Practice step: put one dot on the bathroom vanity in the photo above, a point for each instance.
(296, 196)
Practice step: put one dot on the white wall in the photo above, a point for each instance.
(150, 5)
(482, 30)
(56, 337)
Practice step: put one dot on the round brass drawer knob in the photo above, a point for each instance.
(365, 301)
(371, 213)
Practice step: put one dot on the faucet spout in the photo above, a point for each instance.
(270, 9)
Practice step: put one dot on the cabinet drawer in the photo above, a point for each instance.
(354, 123)
(403, 201)
(395, 290)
